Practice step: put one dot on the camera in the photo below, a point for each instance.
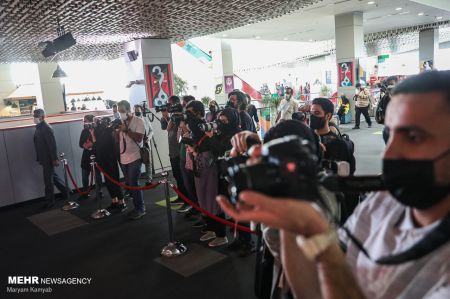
(177, 118)
(177, 108)
(288, 168)
(161, 108)
(208, 127)
(89, 126)
(115, 124)
(187, 141)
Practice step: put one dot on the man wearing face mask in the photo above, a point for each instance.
(238, 101)
(287, 106)
(131, 135)
(396, 244)
(362, 105)
(213, 111)
(47, 156)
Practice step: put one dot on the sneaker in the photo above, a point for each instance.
(199, 224)
(192, 212)
(204, 230)
(135, 215)
(218, 242)
(369, 126)
(177, 201)
(208, 236)
(355, 128)
(121, 208)
(184, 209)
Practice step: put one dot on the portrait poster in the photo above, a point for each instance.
(345, 74)
(229, 83)
(159, 83)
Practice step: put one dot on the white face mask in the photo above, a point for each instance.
(36, 120)
(123, 116)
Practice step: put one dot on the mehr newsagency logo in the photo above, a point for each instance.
(36, 284)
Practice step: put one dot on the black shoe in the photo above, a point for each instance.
(177, 201)
(236, 245)
(246, 249)
(184, 209)
(121, 207)
(148, 182)
(355, 128)
(191, 213)
(135, 215)
(83, 197)
(369, 126)
(199, 224)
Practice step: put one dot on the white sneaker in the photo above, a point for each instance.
(218, 242)
(208, 236)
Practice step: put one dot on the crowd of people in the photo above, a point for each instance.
(315, 243)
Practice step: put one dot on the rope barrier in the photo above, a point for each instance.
(212, 216)
(82, 193)
(147, 187)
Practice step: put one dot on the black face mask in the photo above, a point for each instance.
(413, 183)
(316, 122)
(138, 114)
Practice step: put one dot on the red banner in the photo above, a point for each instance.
(345, 74)
(159, 83)
(254, 94)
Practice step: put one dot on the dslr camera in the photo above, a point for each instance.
(288, 168)
(89, 126)
(161, 108)
(209, 127)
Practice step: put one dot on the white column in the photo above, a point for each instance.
(49, 90)
(222, 59)
(7, 85)
(428, 46)
(349, 35)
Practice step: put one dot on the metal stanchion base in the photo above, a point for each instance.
(173, 249)
(70, 206)
(100, 213)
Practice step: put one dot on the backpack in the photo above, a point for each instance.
(381, 108)
(341, 148)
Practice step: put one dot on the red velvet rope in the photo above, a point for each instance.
(82, 193)
(147, 187)
(212, 216)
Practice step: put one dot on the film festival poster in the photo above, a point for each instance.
(159, 83)
(345, 74)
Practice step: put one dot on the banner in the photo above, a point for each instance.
(229, 83)
(159, 83)
(345, 74)
(195, 51)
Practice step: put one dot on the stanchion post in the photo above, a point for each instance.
(70, 205)
(100, 212)
(173, 248)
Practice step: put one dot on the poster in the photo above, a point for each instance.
(345, 74)
(426, 65)
(229, 83)
(159, 83)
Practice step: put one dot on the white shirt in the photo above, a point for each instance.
(287, 108)
(385, 227)
(131, 147)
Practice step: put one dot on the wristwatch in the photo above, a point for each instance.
(314, 246)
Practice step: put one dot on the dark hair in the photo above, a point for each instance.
(325, 103)
(197, 106)
(241, 99)
(249, 99)
(124, 104)
(358, 85)
(290, 88)
(187, 99)
(430, 81)
(138, 106)
(114, 105)
(89, 117)
(300, 116)
(174, 99)
(345, 100)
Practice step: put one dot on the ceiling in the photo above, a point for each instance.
(101, 27)
(316, 22)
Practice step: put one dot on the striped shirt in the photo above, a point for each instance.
(386, 227)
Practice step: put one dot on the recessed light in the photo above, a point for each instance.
(420, 14)
(398, 8)
(371, 2)
(224, 35)
(438, 18)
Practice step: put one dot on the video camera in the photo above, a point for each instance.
(177, 108)
(289, 168)
(209, 127)
(187, 141)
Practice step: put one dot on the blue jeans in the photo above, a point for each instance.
(132, 172)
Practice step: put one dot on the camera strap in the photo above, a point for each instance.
(439, 236)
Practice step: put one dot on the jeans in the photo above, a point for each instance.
(132, 172)
(365, 112)
(85, 179)
(51, 179)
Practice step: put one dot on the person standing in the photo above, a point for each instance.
(131, 135)
(46, 155)
(287, 106)
(362, 102)
(238, 101)
(251, 110)
(138, 112)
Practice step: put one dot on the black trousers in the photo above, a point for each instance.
(189, 182)
(215, 226)
(365, 112)
(51, 179)
(111, 168)
(176, 172)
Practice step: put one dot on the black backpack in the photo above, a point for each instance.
(340, 148)
(380, 112)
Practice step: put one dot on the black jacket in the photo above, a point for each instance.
(45, 144)
(86, 157)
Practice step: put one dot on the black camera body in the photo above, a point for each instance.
(115, 124)
(209, 127)
(187, 141)
(177, 108)
(289, 168)
(178, 117)
(161, 108)
(89, 126)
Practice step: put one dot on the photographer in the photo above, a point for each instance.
(174, 145)
(362, 103)
(130, 134)
(251, 110)
(138, 112)
(86, 144)
(103, 142)
(238, 101)
(396, 244)
(214, 110)
(205, 150)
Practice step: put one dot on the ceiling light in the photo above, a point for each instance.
(398, 8)
(420, 14)
(438, 18)
(371, 2)
(224, 35)
(59, 73)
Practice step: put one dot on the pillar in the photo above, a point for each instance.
(349, 36)
(428, 46)
(7, 85)
(139, 56)
(49, 90)
(222, 57)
